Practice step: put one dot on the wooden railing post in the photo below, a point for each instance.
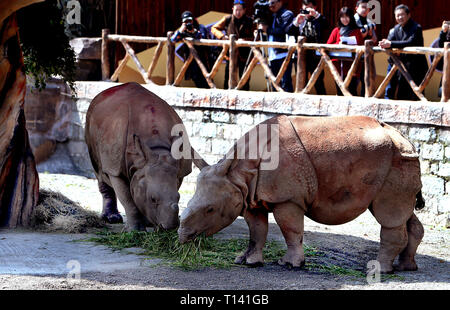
(233, 76)
(301, 66)
(370, 73)
(446, 74)
(170, 74)
(106, 73)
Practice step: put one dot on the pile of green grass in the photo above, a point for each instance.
(202, 252)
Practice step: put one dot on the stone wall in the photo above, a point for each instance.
(215, 119)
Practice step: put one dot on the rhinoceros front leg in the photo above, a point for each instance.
(289, 218)
(135, 220)
(109, 213)
(257, 221)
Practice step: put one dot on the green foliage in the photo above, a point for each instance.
(45, 45)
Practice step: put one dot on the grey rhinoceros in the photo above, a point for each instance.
(129, 137)
(330, 169)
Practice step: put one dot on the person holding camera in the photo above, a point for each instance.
(242, 26)
(190, 28)
(276, 31)
(347, 29)
(313, 26)
(406, 33)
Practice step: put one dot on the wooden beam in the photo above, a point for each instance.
(312, 81)
(284, 66)
(407, 76)
(300, 78)
(370, 71)
(119, 69)
(106, 73)
(381, 89)
(267, 69)
(248, 72)
(446, 74)
(335, 73)
(155, 59)
(218, 62)
(170, 66)
(233, 67)
(430, 72)
(353, 69)
(202, 67)
(140, 68)
(183, 70)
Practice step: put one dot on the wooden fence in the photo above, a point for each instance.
(231, 46)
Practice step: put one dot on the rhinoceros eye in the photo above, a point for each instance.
(210, 210)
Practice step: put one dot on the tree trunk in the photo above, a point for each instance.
(19, 183)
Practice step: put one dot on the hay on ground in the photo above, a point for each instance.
(55, 212)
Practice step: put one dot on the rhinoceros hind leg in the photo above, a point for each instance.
(415, 235)
(289, 218)
(110, 213)
(393, 241)
(257, 222)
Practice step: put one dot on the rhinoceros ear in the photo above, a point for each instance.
(229, 161)
(136, 153)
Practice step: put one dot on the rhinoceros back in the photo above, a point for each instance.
(118, 113)
(404, 146)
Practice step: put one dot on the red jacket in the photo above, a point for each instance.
(334, 38)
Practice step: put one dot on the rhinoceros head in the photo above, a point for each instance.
(217, 202)
(154, 185)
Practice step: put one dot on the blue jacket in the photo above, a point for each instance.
(277, 31)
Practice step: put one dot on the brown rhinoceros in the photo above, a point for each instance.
(330, 169)
(129, 137)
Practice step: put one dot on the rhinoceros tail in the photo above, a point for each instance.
(420, 202)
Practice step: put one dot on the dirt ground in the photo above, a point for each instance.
(31, 260)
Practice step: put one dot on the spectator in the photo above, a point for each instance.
(190, 28)
(277, 31)
(444, 37)
(368, 30)
(242, 26)
(346, 28)
(406, 33)
(313, 27)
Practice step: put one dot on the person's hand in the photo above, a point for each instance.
(183, 27)
(262, 27)
(385, 43)
(445, 26)
(225, 37)
(300, 18)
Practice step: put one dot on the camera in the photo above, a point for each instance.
(263, 15)
(305, 12)
(189, 26)
(367, 27)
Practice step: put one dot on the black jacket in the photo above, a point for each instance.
(409, 35)
(315, 30)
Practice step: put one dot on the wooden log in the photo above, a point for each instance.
(248, 72)
(233, 67)
(446, 74)
(370, 73)
(267, 70)
(335, 73)
(353, 69)
(183, 70)
(202, 67)
(300, 78)
(155, 59)
(407, 76)
(140, 68)
(19, 179)
(119, 69)
(284, 66)
(430, 73)
(136, 39)
(218, 62)
(170, 67)
(312, 81)
(106, 73)
(382, 88)
(412, 50)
